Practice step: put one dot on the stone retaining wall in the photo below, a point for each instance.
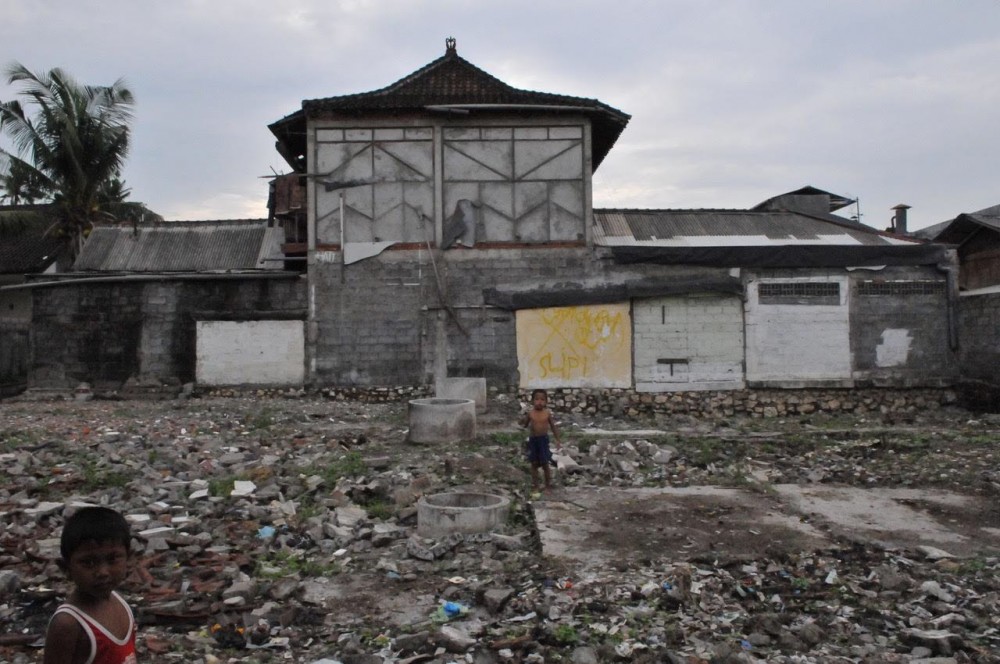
(753, 403)
(628, 403)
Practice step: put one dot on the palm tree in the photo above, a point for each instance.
(72, 149)
(20, 185)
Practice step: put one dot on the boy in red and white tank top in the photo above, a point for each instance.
(95, 625)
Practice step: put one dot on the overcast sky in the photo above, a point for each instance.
(732, 101)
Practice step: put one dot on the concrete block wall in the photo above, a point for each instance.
(367, 319)
(480, 348)
(490, 348)
(789, 343)
(14, 354)
(110, 334)
(85, 333)
(899, 327)
(979, 337)
(705, 332)
(382, 321)
(166, 337)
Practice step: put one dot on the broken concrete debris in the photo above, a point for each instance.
(272, 530)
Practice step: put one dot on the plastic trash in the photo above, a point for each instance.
(266, 532)
(449, 611)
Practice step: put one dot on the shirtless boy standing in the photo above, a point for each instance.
(539, 421)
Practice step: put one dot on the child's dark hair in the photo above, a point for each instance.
(535, 392)
(94, 524)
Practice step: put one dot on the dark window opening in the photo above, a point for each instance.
(896, 288)
(799, 292)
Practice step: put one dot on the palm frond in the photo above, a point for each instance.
(76, 138)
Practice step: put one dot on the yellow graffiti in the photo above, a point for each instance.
(564, 367)
(587, 326)
(587, 345)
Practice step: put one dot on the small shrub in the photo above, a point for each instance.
(565, 634)
(378, 509)
(349, 465)
(221, 486)
(262, 420)
(284, 563)
(507, 437)
(12, 440)
(95, 478)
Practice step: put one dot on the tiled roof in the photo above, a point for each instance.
(24, 246)
(453, 81)
(180, 246)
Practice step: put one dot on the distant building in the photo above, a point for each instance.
(451, 232)
(443, 226)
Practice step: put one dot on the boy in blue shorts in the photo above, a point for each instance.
(539, 421)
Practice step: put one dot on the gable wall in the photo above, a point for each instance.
(529, 179)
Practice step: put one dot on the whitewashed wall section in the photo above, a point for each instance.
(802, 334)
(688, 343)
(585, 346)
(398, 162)
(250, 352)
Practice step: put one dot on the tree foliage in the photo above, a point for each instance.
(68, 150)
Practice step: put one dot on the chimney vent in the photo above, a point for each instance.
(899, 219)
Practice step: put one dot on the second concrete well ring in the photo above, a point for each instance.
(442, 514)
(442, 420)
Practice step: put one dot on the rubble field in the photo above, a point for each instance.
(285, 529)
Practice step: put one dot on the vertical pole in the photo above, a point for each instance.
(343, 246)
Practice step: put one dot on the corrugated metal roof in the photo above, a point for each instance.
(991, 220)
(830, 202)
(724, 228)
(176, 246)
(961, 227)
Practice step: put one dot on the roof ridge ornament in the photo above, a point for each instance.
(449, 45)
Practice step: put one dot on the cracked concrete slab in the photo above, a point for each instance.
(596, 527)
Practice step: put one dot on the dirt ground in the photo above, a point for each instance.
(730, 492)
